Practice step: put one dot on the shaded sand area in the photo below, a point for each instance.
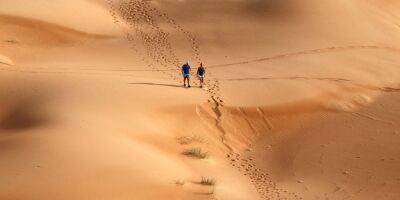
(301, 100)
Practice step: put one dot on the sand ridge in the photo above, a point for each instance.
(41, 32)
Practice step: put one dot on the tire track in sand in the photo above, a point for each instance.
(308, 52)
(344, 81)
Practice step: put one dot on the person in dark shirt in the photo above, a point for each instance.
(186, 74)
(201, 73)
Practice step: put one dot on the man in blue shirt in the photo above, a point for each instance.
(186, 74)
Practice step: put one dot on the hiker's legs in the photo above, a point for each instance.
(184, 81)
(201, 81)
(188, 80)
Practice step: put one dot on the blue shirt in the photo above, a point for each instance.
(186, 69)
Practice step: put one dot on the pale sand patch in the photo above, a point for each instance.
(5, 60)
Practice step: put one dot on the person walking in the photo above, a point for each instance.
(201, 73)
(186, 74)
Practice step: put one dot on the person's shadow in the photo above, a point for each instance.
(155, 84)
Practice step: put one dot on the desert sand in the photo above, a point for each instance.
(301, 100)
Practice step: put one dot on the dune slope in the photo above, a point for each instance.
(301, 99)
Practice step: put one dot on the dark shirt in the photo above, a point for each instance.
(201, 71)
(186, 69)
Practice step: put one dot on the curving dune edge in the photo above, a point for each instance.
(301, 100)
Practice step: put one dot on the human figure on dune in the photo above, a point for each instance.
(201, 73)
(186, 74)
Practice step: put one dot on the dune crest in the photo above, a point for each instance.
(41, 32)
(90, 16)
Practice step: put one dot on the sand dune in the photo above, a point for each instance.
(301, 99)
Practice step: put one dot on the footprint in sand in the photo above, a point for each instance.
(261, 180)
(205, 88)
(144, 30)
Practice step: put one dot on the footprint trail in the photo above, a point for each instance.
(149, 32)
